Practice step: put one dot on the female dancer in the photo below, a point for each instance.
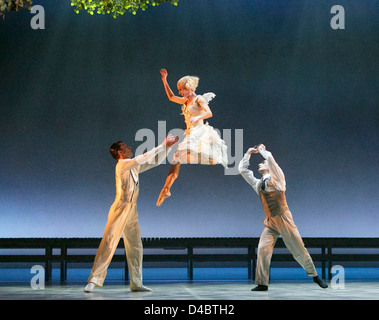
(201, 144)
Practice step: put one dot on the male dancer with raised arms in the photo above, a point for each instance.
(271, 190)
(123, 217)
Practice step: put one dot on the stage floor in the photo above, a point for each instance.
(199, 290)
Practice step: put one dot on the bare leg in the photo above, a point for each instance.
(172, 176)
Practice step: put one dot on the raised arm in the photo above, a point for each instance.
(138, 161)
(247, 174)
(161, 154)
(168, 90)
(277, 176)
(148, 159)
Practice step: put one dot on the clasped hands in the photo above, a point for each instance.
(170, 140)
(255, 149)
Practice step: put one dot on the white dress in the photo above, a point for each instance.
(202, 144)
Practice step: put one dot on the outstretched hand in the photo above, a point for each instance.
(170, 140)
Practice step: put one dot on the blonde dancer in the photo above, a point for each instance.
(201, 144)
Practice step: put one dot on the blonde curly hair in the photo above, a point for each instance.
(188, 82)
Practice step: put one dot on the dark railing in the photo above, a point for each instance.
(187, 248)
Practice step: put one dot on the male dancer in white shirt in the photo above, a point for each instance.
(123, 217)
(271, 189)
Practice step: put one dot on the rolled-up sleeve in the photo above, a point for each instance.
(153, 158)
(247, 174)
(277, 176)
(144, 161)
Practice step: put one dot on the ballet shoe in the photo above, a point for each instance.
(89, 287)
(165, 193)
(140, 289)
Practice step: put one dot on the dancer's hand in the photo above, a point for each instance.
(170, 140)
(260, 145)
(164, 74)
(255, 148)
(252, 150)
(194, 119)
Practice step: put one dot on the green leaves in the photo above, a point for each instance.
(115, 7)
(13, 5)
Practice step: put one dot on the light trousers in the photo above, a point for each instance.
(122, 220)
(275, 226)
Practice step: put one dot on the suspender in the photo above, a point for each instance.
(263, 184)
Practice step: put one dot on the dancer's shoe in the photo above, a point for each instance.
(320, 282)
(140, 289)
(260, 287)
(89, 287)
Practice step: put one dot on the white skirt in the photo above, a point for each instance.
(202, 145)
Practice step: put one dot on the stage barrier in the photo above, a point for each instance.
(324, 251)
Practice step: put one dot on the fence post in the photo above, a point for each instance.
(64, 263)
(251, 263)
(190, 263)
(329, 262)
(323, 260)
(48, 265)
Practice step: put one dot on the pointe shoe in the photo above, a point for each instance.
(140, 289)
(165, 193)
(89, 287)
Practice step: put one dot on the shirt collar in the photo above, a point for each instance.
(266, 176)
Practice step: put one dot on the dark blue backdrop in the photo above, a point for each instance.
(280, 73)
